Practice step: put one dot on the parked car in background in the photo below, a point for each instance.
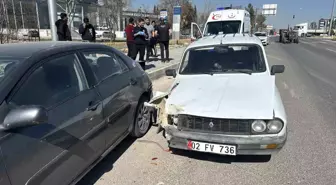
(224, 99)
(263, 36)
(64, 106)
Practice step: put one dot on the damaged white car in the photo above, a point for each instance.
(224, 99)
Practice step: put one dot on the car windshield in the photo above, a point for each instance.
(224, 27)
(223, 59)
(7, 64)
(260, 34)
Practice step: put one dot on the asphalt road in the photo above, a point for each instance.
(308, 90)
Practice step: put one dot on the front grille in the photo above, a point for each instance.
(220, 126)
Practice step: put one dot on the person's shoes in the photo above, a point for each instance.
(163, 61)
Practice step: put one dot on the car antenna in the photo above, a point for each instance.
(224, 35)
(234, 34)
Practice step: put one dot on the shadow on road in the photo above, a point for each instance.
(223, 159)
(106, 164)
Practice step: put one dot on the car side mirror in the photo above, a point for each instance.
(24, 116)
(277, 69)
(171, 72)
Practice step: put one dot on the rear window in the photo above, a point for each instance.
(222, 27)
(223, 59)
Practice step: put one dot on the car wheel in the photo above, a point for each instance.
(141, 119)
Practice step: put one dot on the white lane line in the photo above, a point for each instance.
(331, 50)
(285, 85)
(274, 57)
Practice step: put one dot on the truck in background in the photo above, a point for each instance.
(301, 29)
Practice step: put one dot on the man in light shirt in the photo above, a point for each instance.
(150, 31)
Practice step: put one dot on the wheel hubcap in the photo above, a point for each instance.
(143, 118)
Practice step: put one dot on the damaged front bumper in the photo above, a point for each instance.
(246, 144)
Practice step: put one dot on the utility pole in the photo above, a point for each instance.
(52, 18)
(331, 18)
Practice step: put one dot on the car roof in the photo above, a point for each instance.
(226, 39)
(25, 50)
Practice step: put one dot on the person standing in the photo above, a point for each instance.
(150, 31)
(163, 32)
(130, 37)
(153, 41)
(87, 31)
(140, 40)
(63, 31)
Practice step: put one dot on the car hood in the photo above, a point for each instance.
(237, 96)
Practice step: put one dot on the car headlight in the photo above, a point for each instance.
(258, 126)
(174, 119)
(274, 126)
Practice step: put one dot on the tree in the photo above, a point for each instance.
(111, 12)
(313, 25)
(3, 21)
(203, 16)
(260, 21)
(187, 10)
(188, 15)
(250, 9)
(69, 7)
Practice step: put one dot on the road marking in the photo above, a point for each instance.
(331, 50)
(319, 77)
(285, 85)
(274, 57)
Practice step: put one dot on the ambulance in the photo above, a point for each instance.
(226, 21)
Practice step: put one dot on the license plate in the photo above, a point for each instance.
(212, 148)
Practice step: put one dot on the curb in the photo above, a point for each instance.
(158, 73)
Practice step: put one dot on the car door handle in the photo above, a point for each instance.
(93, 106)
(133, 81)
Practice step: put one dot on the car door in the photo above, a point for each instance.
(55, 152)
(113, 85)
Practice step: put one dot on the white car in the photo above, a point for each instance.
(224, 99)
(263, 36)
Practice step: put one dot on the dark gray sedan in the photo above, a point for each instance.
(64, 106)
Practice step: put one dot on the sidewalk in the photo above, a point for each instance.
(156, 68)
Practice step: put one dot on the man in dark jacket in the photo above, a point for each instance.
(163, 32)
(87, 31)
(140, 40)
(63, 30)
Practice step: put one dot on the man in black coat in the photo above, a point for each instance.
(63, 30)
(87, 31)
(140, 40)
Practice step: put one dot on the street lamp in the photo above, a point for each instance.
(331, 18)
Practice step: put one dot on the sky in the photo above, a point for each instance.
(304, 10)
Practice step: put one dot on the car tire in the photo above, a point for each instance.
(142, 121)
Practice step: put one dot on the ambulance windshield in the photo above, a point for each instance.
(222, 27)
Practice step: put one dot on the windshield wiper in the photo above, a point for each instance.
(246, 71)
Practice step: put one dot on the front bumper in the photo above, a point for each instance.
(246, 145)
(264, 42)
